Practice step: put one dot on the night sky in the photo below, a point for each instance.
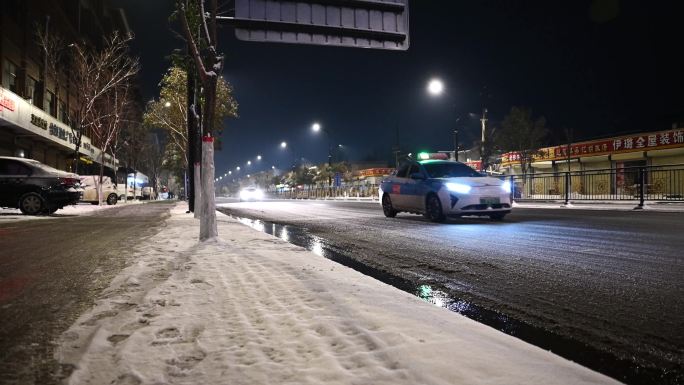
(598, 67)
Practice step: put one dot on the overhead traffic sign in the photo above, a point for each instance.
(381, 24)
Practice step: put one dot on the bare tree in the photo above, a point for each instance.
(208, 64)
(97, 74)
(521, 134)
(53, 49)
(106, 129)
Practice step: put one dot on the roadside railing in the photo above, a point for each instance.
(340, 193)
(651, 183)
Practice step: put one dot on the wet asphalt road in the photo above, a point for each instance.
(609, 282)
(51, 270)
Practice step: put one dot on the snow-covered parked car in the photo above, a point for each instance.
(89, 184)
(35, 188)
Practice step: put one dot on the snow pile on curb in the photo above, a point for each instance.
(252, 309)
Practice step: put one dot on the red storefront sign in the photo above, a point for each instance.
(375, 172)
(7, 102)
(644, 142)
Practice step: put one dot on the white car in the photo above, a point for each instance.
(89, 184)
(442, 188)
(251, 194)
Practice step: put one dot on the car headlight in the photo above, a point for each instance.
(458, 188)
(506, 186)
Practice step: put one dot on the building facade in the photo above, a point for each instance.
(613, 168)
(36, 116)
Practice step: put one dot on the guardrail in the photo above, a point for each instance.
(352, 192)
(652, 183)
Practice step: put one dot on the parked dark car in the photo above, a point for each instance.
(35, 188)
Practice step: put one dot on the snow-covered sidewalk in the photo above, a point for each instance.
(603, 205)
(14, 215)
(253, 309)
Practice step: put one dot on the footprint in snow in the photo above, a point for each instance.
(116, 338)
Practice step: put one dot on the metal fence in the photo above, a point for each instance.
(652, 183)
(345, 192)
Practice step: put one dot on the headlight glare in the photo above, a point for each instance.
(458, 188)
(506, 186)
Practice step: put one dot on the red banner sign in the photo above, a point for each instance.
(7, 102)
(644, 142)
(375, 172)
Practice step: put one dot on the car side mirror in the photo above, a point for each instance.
(417, 175)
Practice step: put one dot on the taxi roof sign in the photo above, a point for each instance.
(432, 156)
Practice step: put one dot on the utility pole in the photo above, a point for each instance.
(483, 120)
(456, 144)
(192, 135)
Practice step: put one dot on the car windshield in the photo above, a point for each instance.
(450, 170)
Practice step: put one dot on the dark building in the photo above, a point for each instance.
(36, 116)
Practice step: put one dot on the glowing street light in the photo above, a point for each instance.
(167, 104)
(283, 145)
(435, 87)
(249, 162)
(316, 127)
(230, 173)
(258, 157)
(237, 168)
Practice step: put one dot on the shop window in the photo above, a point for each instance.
(32, 89)
(9, 76)
(50, 103)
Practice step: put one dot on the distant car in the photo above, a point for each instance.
(35, 188)
(89, 185)
(442, 188)
(251, 194)
(124, 193)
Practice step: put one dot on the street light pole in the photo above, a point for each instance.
(456, 144)
(316, 127)
(483, 120)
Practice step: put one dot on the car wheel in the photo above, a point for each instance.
(433, 209)
(497, 217)
(31, 204)
(387, 208)
(112, 199)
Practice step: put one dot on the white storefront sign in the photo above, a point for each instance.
(18, 112)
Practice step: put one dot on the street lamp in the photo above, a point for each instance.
(316, 127)
(230, 173)
(249, 162)
(167, 104)
(237, 168)
(258, 157)
(283, 145)
(435, 87)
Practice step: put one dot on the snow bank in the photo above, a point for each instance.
(252, 309)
